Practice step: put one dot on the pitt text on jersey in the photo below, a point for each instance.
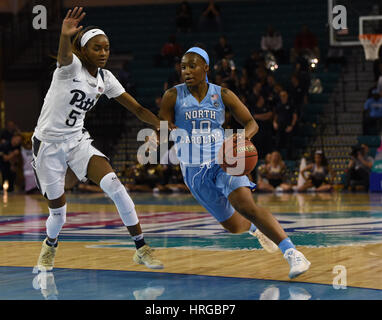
(78, 101)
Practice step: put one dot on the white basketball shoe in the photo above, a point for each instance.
(297, 262)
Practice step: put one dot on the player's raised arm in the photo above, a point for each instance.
(140, 112)
(69, 28)
(240, 112)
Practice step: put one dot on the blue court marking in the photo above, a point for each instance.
(16, 283)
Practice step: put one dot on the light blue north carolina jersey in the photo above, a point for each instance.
(200, 134)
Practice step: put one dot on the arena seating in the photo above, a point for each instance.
(243, 22)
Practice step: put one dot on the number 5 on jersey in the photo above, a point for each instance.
(73, 116)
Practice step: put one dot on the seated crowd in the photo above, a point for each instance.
(314, 175)
(15, 160)
(277, 108)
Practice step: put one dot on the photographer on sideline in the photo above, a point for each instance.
(9, 159)
(359, 168)
(373, 114)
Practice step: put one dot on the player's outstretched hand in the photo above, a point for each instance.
(70, 24)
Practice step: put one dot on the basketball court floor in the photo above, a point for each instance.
(341, 234)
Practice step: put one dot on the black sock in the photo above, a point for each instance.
(139, 241)
(51, 244)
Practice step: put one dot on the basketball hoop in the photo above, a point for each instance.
(371, 44)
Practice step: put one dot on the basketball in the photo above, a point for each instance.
(230, 155)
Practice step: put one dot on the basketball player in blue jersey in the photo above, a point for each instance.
(198, 104)
(63, 148)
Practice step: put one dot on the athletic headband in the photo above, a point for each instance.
(90, 34)
(201, 53)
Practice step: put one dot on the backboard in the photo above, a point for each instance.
(360, 17)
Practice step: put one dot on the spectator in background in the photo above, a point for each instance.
(276, 174)
(261, 75)
(175, 182)
(172, 175)
(273, 96)
(145, 178)
(257, 91)
(277, 90)
(303, 73)
(136, 178)
(305, 43)
(87, 187)
(218, 80)
(169, 52)
(175, 77)
(263, 115)
(126, 79)
(243, 88)
(269, 86)
(284, 122)
(254, 61)
(379, 83)
(261, 180)
(227, 73)
(183, 18)
(223, 49)
(272, 42)
(298, 95)
(210, 20)
(321, 175)
(9, 159)
(27, 157)
(377, 69)
(359, 168)
(373, 114)
(10, 129)
(378, 75)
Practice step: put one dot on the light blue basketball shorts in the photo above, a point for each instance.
(211, 186)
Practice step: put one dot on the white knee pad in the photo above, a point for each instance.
(111, 185)
(55, 222)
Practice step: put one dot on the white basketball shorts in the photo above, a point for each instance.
(51, 161)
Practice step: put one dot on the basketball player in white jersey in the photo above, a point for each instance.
(61, 146)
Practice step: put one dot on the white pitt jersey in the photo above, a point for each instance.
(72, 93)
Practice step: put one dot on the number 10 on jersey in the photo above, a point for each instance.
(204, 126)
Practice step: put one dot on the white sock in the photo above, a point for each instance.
(56, 220)
(111, 185)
